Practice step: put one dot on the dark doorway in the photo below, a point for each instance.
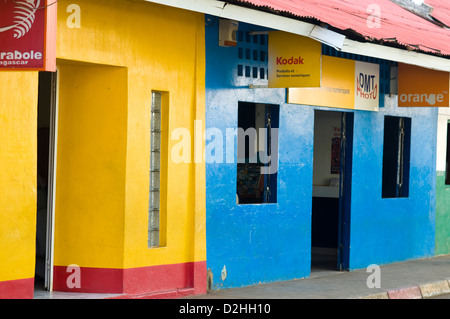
(46, 107)
(333, 135)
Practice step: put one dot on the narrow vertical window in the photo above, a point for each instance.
(396, 157)
(158, 130)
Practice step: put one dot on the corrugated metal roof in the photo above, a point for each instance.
(441, 10)
(395, 26)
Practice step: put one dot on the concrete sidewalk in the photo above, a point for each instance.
(415, 279)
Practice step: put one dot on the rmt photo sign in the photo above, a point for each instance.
(25, 36)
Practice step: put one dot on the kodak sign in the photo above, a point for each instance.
(294, 61)
(28, 35)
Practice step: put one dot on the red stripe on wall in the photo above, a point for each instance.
(166, 277)
(17, 289)
(91, 280)
(134, 281)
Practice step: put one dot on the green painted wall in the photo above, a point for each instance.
(442, 215)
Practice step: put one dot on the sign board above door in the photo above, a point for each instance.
(346, 84)
(28, 35)
(294, 61)
(422, 87)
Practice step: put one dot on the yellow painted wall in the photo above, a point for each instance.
(151, 47)
(18, 169)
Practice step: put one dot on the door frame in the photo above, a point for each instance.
(345, 182)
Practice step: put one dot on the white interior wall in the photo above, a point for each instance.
(326, 126)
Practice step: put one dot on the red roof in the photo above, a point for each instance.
(396, 25)
(441, 11)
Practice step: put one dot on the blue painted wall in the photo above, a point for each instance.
(385, 230)
(261, 243)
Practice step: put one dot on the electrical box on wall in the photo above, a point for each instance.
(227, 33)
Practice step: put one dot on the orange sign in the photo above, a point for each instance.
(422, 87)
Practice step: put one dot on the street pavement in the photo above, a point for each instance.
(415, 279)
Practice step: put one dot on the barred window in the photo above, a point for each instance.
(396, 157)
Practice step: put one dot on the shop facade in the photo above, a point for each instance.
(124, 218)
(158, 161)
(337, 198)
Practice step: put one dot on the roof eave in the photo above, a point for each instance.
(344, 40)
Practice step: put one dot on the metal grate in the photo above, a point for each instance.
(252, 52)
(155, 166)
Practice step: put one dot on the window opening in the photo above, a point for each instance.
(396, 157)
(257, 153)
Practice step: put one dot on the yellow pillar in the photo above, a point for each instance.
(18, 169)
